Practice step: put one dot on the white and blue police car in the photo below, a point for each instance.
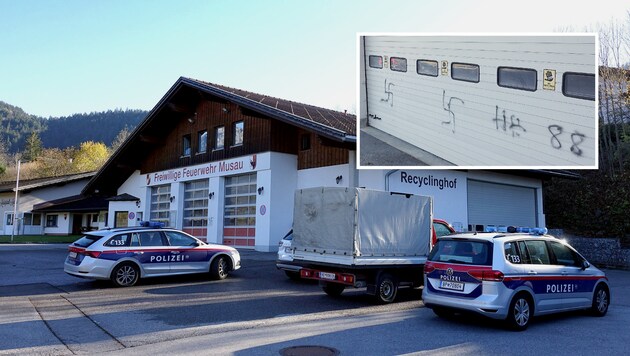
(511, 276)
(124, 255)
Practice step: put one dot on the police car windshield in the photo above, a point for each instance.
(86, 240)
(468, 252)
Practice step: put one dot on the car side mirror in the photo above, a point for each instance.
(585, 265)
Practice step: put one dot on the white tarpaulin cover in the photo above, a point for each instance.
(361, 222)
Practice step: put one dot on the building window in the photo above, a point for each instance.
(9, 220)
(517, 78)
(427, 67)
(579, 85)
(161, 204)
(202, 138)
(186, 148)
(465, 72)
(196, 208)
(121, 219)
(239, 128)
(376, 62)
(219, 138)
(51, 220)
(32, 219)
(239, 214)
(398, 64)
(305, 142)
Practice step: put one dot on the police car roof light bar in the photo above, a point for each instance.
(539, 231)
(156, 224)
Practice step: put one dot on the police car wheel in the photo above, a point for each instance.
(386, 288)
(601, 300)
(125, 275)
(520, 312)
(333, 289)
(219, 268)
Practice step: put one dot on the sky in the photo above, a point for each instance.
(61, 57)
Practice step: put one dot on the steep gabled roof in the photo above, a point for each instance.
(30, 184)
(329, 124)
(76, 203)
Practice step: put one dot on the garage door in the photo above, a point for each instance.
(500, 204)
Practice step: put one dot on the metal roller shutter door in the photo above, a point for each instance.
(501, 204)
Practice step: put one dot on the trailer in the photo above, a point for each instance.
(485, 101)
(355, 237)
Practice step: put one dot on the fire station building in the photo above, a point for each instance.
(223, 164)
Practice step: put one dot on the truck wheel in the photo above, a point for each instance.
(333, 289)
(219, 268)
(386, 288)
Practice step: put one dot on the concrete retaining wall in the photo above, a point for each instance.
(604, 252)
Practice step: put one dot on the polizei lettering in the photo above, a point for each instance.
(561, 288)
(445, 277)
(168, 258)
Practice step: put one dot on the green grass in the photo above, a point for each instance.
(38, 239)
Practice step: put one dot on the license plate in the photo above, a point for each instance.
(72, 255)
(326, 275)
(452, 285)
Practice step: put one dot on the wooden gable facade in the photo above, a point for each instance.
(318, 137)
(261, 134)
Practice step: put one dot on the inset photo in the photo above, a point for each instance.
(478, 101)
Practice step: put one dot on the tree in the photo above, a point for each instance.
(33, 147)
(613, 97)
(55, 162)
(90, 157)
(120, 139)
(4, 157)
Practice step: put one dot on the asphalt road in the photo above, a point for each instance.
(258, 311)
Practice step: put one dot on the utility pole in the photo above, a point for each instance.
(15, 203)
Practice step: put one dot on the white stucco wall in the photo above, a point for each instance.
(26, 201)
(325, 177)
(451, 201)
(283, 185)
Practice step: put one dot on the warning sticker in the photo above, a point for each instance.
(549, 79)
(444, 67)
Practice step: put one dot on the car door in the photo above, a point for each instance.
(188, 255)
(153, 252)
(542, 275)
(440, 228)
(577, 284)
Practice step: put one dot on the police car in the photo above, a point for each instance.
(124, 255)
(511, 276)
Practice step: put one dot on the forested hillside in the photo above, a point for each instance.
(71, 131)
(16, 127)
